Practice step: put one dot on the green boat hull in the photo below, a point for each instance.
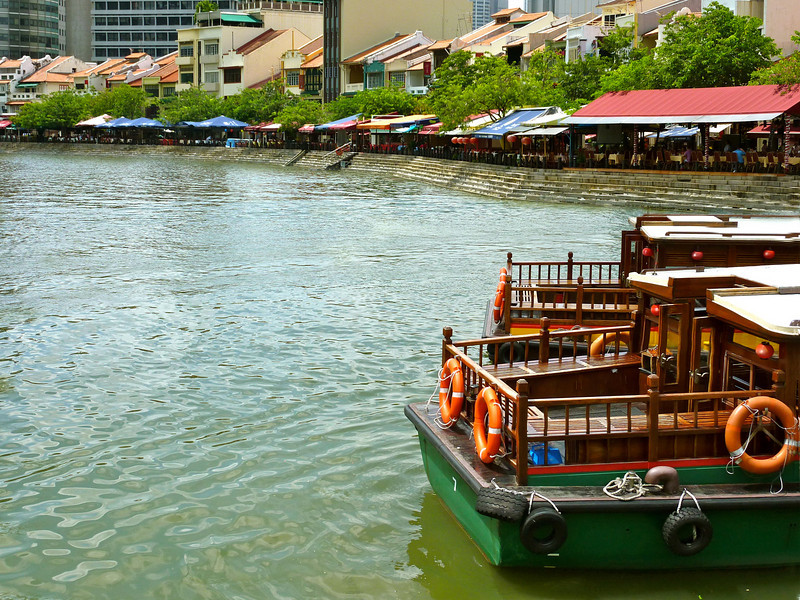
(622, 539)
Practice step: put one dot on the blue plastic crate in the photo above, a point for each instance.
(536, 455)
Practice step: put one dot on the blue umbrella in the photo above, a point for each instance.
(145, 122)
(118, 122)
(222, 122)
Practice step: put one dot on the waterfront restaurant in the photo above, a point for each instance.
(622, 117)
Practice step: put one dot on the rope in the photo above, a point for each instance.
(691, 495)
(532, 494)
(441, 378)
(629, 487)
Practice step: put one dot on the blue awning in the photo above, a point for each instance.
(498, 129)
(677, 132)
(351, 118)
(220, 122)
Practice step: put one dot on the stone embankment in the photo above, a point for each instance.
(652, 190)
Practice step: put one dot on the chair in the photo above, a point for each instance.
(733, 161)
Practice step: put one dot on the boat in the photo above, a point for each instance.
(668, 442)
(593, 293)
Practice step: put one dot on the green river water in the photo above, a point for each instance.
(203, 368)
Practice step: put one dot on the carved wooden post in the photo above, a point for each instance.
(778, 382)
(636, 334)
(447, 332)
(544, 341)
(521, 432)
(569, 266)
(579, 302)
(507, 303)
(509, 263)
(652, 417)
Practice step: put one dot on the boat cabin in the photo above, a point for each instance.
(595, 293)
(660, 388)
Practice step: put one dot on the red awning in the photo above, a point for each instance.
(698, 105)
(255, 127)
(766, 129)
(4, 123)
(308, 128)
(431, 129)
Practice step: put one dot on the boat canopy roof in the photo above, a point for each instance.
(765, 295)
(775, 229)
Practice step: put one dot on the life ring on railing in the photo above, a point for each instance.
(451, 391)
(339, 151)
(500, 296)
(733, 438)
(487, 443)
(599, 344)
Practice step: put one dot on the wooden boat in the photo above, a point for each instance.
(681, 453)
(594, 293)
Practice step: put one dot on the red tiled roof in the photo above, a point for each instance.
(259, 40)
(696, 105)
(357, 57)
(312, 46)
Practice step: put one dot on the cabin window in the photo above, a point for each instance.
(741, 374)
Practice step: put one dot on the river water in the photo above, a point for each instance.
(203, 368)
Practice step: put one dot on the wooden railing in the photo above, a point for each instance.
(564, 272)
(612, 427)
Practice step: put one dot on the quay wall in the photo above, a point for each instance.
(653, 190)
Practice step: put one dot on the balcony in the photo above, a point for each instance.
(184, 61)
(353, 88)
(211, 87)
(418, 91)
(207, 59)
(230, 60)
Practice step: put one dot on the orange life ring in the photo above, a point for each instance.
(500, 296)
(733, 439)
(451, 391)
(487, 443)
(339, 152)
(599, 344)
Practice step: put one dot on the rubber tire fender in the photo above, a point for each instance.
(500, 504)
(702, 531)
(551, 521)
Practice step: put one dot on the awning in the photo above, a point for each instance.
(255, 127)
(676, 132)
(307, 128)
(396, 123)
(4, 123)
(767, 129)
(431, 129)
(27, 85)
(514, 120)
(325, 126)
(545, 131)
(694, 105)
(270, 127)
(221, 122)
(94, 121)
(227, 18)
(474, 123)
(551, 116)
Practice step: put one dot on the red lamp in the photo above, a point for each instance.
(697, 255)
(647, 251)
(526, 141)
(765, 350)
(768, 254)
(475, 142)
(655, 310)
(511, 139)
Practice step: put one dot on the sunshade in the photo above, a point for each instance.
(4, 123)
(346, 120)
(544, 131)
(95, 121)
(514, 120)
(146, 123)
(307, 128)
(119, 122)
(397, 122)
(221, 122)
(270, 127)
(431, 129)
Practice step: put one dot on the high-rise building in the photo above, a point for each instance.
(352, 26)
(101, 29)
(564, 8)
(32, 28)
(482, 10)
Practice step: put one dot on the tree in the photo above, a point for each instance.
(466, 84)
(256, 105)
(385, 100)
(785, 72)
(121, 101)
(205, 6)
(582, 78)
(296, 114)
(717, 49)
(542, 82)
(192, 104)
(58, 110)
(342, 107)
(641, 74)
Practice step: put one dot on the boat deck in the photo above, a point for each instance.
(581, 363)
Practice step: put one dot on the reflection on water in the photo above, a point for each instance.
(202, 374)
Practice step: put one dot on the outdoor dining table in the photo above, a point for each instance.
(616, 159)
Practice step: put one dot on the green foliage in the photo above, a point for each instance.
(718, 49)
(256, 105)
(581, 83)
(192, 104)
(641, 74)
(58, 110)
(296, 114)
(466, 85)
(121, 101)
(385, 100)
(541, 83)
(205, 6)
(785, 72)
(342, 107)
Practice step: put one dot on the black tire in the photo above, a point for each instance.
(500, 504)
(543, 531)
(687, 532)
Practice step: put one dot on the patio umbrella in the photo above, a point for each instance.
(116, 123)
(146, 123)
(222, 122)
(94, 121)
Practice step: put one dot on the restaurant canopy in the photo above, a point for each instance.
(399, 123)
(146, 123)
(220, 122)
(767, 129)
(5, 123)
(307, 128)
(695, 105)
(95, 121)
(114, 123)
(513, 121)
(431, 129)
(339, 124)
